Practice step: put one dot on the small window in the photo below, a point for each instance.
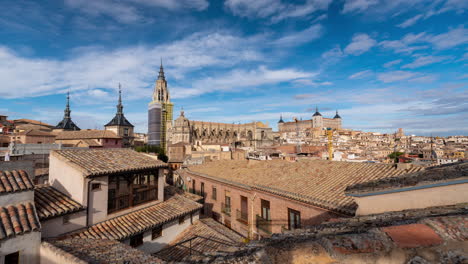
(137, 240)
(214, 195)
(181, 220)
(95, 186)
(66, 219)
(156, 232)
(12, 258)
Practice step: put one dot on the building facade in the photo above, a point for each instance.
(317, 122)
(160, 113)
(120, 125)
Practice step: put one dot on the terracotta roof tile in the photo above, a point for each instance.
(87, 134)
(15, 181)
(413, 235)
(102, 251)
(106, 161)
(51, 203)
(318, 182)
(207, 236)
(430, 175)
(124, 226)
(18, 219)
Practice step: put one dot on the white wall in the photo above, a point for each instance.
(27, 244)
(170, 231)
(55, 227)
(98, 200)
(67, 179)
(422, 198)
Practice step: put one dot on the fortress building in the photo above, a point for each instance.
(317, 122)
(159, 113)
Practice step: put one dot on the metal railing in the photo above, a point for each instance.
(264, 224)
(242, 217)
(226, 209)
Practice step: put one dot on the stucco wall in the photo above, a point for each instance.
(98, 200)
(67, 179)
(422, 198)
(27, 244)
(26, 165)
(55, 227)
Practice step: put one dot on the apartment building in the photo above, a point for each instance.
(258, 198)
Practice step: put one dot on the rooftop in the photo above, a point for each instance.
(124, 226)
(318, 182)
(206, 236)
(30, 121)
(36, 132)
(432, 175)
(102, 251)
(15, 181)
(18, 219)
(87, 134)
(95, 162)
(51, 203)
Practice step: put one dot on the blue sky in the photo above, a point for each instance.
(382, 64)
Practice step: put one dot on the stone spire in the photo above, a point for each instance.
(161, 72)
(67, 111)
(67, 123)
(119, 118)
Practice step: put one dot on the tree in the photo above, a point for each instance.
(153, 149)
(395, 155)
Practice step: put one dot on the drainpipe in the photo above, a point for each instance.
(87, 202)
(251, 227)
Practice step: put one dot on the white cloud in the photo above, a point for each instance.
(360, 43)
(293, 39)
(237, 79)
(131, 11)
(360, 75)
(395, 76)
(275, 10)
(357, 5)
(425, 60)
(410, 21)
(452, 38)
(391, 63)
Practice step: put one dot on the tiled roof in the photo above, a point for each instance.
(124, 226)
(207, 237)
(30, 121)
(15, 181)
(36, 132)
(106, 161)
(18, 219)
(51, 203)
(318, 182)
(372, 236)
(102, 251)
(430, 175)
(87, 134)
(91, 142)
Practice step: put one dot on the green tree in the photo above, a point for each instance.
(153, 149)
(395, 155)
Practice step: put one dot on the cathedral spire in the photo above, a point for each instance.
(161, 72)
(119, 119)
(119, 105)
(67, 108)
(317, 113)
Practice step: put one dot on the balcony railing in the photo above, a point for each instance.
(226, 209)
(118, 203)
(242, 217)
(264, 224)
(143, 196)
(126, 201)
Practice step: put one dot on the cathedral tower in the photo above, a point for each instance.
(160, 112)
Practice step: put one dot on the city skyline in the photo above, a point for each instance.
(235, 61)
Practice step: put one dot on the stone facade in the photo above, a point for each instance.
(316, 122)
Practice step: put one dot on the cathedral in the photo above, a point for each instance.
(317, 122)
(160, 113)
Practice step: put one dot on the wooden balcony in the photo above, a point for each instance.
(264, 224)
(226, 209)
(242, 217)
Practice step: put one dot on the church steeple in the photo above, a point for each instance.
(119, 118)
(317, 113)
(161, 72)
(67, 123)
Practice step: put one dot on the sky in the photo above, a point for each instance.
(383, 64)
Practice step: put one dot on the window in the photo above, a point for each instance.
(294, 219)
(265, 209)
(137, 240)
(202, 189)
(126, 132)
(95, 186)
(66, 219)
(181, 220)
(12, 258)
(106, 140)
(193, 186)
(213, 193)
(156, 232)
